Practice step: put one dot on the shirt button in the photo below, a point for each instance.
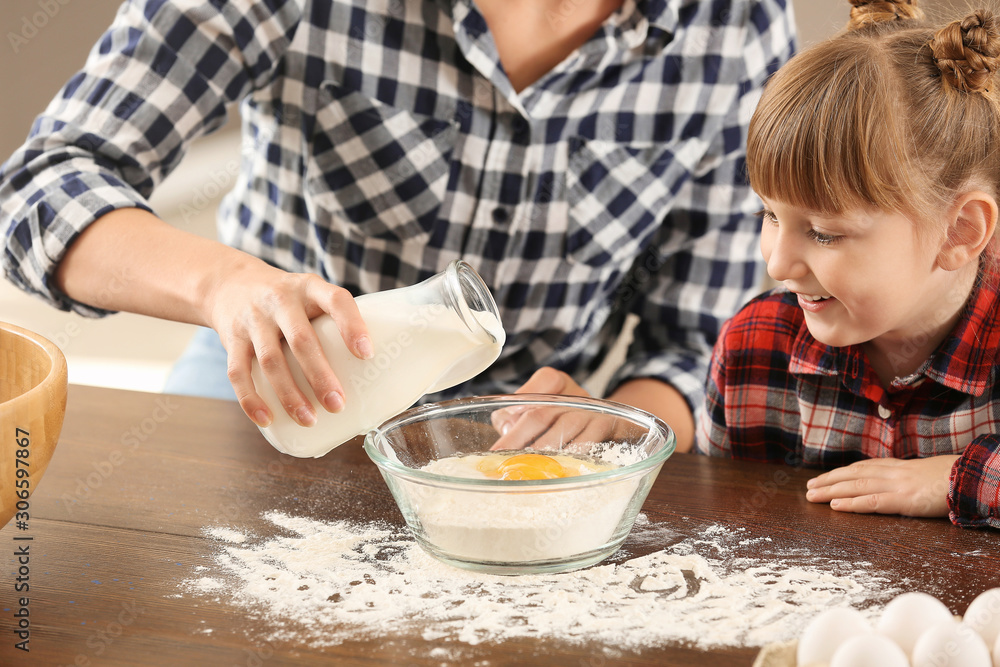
(884, 412)
(500, 215)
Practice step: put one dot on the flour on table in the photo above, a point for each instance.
(206, 584)
(321, 583)
(227, 535)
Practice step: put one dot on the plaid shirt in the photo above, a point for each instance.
(776, 394)
(382, 140)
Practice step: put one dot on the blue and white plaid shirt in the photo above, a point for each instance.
(382, 140)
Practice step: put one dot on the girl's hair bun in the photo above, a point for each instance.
(867, 12)
(967, 51)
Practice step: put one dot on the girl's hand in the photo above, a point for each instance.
(547, 428)
(254, 306)
(912, 487)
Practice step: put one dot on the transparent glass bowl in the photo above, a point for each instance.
(523, 526)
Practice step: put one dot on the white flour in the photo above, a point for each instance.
(524, 528)
(558, 523)
(323, 583)
(227, 534)
(490, 526)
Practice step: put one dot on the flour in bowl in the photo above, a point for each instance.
(506, 524)
(321, 583)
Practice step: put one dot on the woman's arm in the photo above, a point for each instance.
(660, 399)
(130, 260)
(77, 227)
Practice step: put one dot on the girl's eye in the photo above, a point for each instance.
(768, 216)
(821, 238)
(817, 236)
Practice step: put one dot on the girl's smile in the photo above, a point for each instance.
(813, 304)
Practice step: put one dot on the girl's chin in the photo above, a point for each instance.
(831, 338)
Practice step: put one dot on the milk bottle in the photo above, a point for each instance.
(426, 337)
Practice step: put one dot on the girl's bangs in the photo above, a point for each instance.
(830, 146)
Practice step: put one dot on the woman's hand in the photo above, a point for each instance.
(253, 307)
(548, 427)
(912, 487)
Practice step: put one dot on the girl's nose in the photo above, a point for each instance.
(783, 256)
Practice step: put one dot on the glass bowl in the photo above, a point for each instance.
(524, 526)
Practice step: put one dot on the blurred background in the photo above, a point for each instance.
(44, 43)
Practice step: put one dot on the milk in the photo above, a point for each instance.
(426, 338)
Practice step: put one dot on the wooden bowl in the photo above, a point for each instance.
(32, 407)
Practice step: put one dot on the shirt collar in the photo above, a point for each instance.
(964, 361)
(631, 24)
(626, 28)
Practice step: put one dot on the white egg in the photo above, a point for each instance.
(827, 631)
(907, 616)
(869, 651)
(951, 644)
(983, 615)
(996, 653)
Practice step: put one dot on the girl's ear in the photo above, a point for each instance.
(970, 228)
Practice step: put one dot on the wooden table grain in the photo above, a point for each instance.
(117, 524)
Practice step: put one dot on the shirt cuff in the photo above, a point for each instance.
(44, 227)
(974, 496)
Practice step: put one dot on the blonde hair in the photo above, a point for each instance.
(891, 114)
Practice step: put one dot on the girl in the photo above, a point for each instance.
(877, 156)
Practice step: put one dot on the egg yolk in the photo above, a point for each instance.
(523, 466)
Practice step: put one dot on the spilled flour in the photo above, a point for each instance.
(327, 582)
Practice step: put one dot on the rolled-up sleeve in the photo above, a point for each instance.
(163, 74)
(974, 497)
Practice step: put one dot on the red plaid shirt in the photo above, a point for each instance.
(776, 394)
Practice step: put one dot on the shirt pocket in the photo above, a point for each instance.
(376, 170)
(618, 195)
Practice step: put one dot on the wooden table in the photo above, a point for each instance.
(117, 522)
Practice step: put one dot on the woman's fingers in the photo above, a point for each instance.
(556, 429)
(305, 346)
(266, 313)
(847, 489)
(548, 380)
(874, 503)
(598, 429)
(866, 468)
(338, 303)
(523, 432)
(240, 356)
(861, 496)
(276, 371)
(545, 380)
(562, 432)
